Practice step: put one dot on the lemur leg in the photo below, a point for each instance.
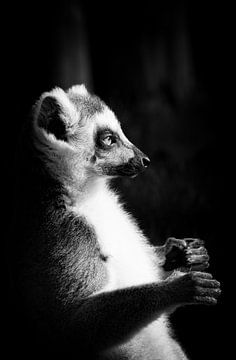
(110, 318)
(185, 254)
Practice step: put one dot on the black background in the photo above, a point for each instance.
(178, 118)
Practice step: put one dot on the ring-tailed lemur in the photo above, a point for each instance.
(88, 277)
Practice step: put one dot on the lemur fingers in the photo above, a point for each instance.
(198, 288)
(193, 242)
(197, 258)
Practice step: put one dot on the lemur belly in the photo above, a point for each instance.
(130, 260)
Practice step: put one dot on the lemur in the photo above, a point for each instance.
(88, 277)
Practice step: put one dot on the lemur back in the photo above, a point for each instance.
(89, 280)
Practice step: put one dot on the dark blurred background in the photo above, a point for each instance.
(161, 67)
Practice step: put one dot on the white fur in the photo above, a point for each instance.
(130, 255)
(131, 261)
(108, 119)
(78, 89)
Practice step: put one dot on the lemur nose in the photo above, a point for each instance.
(145, 161)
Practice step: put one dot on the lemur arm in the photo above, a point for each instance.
(110, 318)
(100, 320)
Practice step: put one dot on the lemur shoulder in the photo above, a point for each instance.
(88, 276)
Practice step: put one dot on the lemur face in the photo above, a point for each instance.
(114, 154)
(78, 131)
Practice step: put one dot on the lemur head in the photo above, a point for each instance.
(79, 136)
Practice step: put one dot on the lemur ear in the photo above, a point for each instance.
(49, 118)
(55, 114)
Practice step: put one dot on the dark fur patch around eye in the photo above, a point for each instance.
(50, 118)
(101, 133)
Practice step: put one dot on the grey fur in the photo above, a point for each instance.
(88, 105)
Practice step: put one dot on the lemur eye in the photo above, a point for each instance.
(108, 140)
(105, 139)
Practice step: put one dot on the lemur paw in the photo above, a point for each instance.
(196, 287)
(185, 254)
(196, 254)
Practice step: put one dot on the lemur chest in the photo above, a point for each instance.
(130, 260)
